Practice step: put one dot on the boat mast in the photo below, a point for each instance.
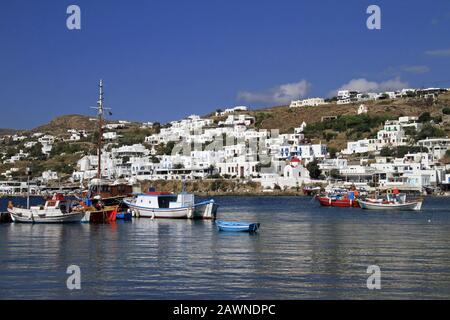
(100, 129)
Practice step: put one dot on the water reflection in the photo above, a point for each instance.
(302, 251)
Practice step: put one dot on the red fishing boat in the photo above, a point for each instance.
(336, 201)
(100, 214)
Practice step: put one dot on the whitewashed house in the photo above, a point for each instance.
(311, 102)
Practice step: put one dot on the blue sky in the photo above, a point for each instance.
(162, 60)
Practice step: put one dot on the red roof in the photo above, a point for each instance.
(295, 160)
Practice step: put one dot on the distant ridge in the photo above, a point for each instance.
(8, 132)
(61, 124)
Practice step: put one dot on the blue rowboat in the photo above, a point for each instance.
(123, 216)
(237, 226)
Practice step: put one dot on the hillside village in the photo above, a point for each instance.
(383, 140)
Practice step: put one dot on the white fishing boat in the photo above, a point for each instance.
(169, 205)
(391, 203)
(56, 210)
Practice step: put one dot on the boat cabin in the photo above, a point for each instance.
(107, 189)
(58, 202)
(161, 200)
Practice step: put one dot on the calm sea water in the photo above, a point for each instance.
(303, 251)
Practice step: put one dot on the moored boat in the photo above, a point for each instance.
(310, 191)
(124, 215)
(393, 202)
(169, 205)
(56, 210)
(341, 201)
(99, 212)
(237, 226)
(109, 192)
(5, 217)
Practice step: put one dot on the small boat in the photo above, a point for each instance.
(168, 205)
(310, 191)
(100, 214)
(124, 215)
(237, 226)
(5, 217)
(391, 203)
(56, 210)
(346, 200)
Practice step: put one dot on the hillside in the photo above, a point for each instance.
(286, 119)
(8, 132)
(60, 125)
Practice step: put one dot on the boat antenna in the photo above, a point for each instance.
(100, 109)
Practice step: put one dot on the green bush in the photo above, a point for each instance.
(424, 117)
(67, 148)
(446, 110)
(400, 151)
(134, 137)
(430, 131)
(314, 170)
(260, 117)
(358, 123)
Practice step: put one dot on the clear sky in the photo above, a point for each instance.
(162, 60)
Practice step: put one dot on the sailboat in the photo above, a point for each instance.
(103, 198)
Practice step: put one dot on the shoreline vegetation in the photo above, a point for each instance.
(218, 187)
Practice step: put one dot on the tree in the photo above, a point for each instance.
(334, 173)
(178, 166)
(169, 147)
(424, 117)
(36, 152)
(154, 159)
(446, 110)
(386, 152)
(332, 152)
(314, 170)
(430, 131)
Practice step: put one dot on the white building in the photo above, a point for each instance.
(313, 102)
(232, 110)
(111, 135)
(346, 96)
(437, 146)
(49, 175)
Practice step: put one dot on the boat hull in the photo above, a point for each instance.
(124, 216)
(237, 227)
(25, 216)
(202, 210)
(410, 206)
(344, 203)
(5, 217)
(106, 215)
